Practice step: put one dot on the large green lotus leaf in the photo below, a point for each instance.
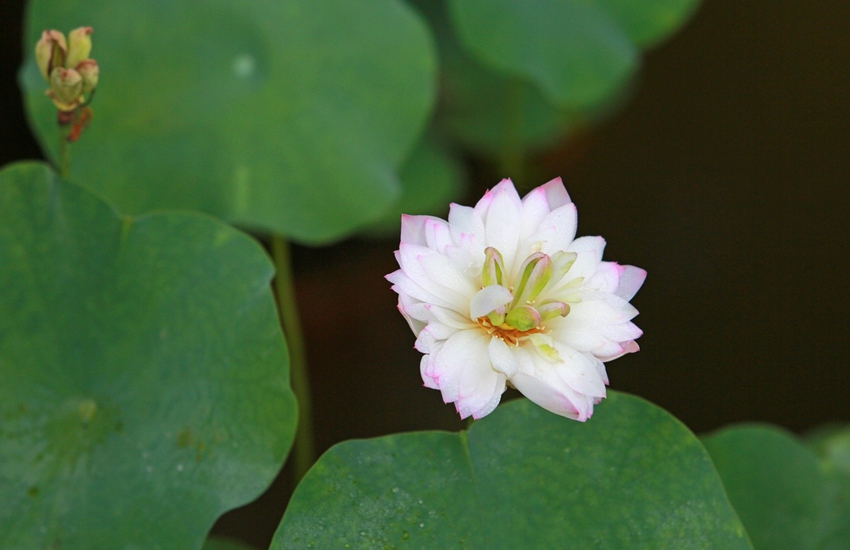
(579, 52)
(431, 178)
(485, 110)
(143, 374)
(784, 495)
(633, 477)
(288, 116)
(832, 444)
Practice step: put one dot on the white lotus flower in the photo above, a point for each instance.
(503, 294)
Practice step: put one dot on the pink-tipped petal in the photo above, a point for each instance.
(413, 229)
(631, 279)
(564, 402)
(462, 368)
(426, 378)
(556, 193)
(467, 229)
(503, 222)
(556, 231)
(438, 236)
(589, 254)
(535, 207)
(606, 279)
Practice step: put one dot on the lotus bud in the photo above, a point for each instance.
(493, 272)
(50, 52)
(535, 274)
(66, 85)
(89, 71)
(561, 263)
(523, 318)
(79, 45)
(497, 316)
(550, 309)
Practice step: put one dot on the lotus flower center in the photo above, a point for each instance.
(506, 333)
(523, 316)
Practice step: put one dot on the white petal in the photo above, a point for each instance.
(605, 279)
(556, 231)
(449, 317)
(622, 332)
(409, 257)
(461, 368)
(482, 207)
(535, 207)
(463, 261)
(467, 229)
(556, 193)
(502, 357)
(428, 364)
(402, 284)
(502, 222)
(415, 324)
(562, 401)
(438, 235)
(442, 270)
(579, 372)
(631, 279)
(589, 254)
(596, 314)
(426, 378)
(540, 381)
(487, 299)
(581, 340)
(413, 229)
(476, 405)
(431, 334)
(600, 370)
(413, 308)
(629, 346)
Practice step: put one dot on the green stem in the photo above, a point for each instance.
(304, 452)
(512, 158)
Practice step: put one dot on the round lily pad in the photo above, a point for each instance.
(632, 477)
(143, 373)
(486, 110)
(786, 497)
(290, 117)
(578, 52)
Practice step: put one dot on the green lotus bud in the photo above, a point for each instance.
(66, 87)
(550, 309)
(50, 52)
(79, 46)
(493, 272)
(89, 71)
(497, 316)
(535, 275)
(523, 318)
(561, 264)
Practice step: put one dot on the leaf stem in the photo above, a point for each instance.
(304, 452)
(512, 157)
